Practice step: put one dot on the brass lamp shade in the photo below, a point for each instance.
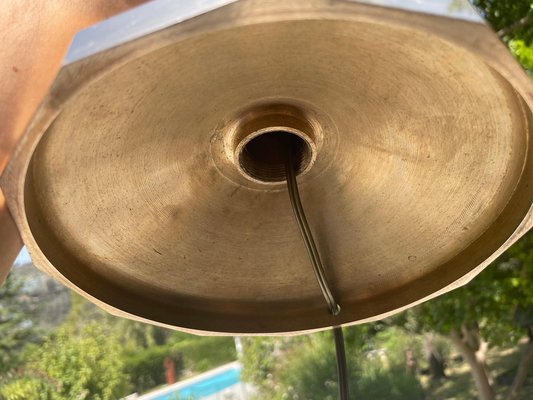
(145, 181)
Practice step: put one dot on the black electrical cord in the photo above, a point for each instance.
(341, 363)
(307, 237)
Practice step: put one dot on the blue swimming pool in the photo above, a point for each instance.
(204, 387)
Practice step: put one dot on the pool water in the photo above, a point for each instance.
(204, 387)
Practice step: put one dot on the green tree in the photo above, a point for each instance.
(25, 388)
(201, 353)
(304, 368)
(513, 22)
(512, 19)
(145, 367)
(73, 363)
(484, 313)
(16, 327)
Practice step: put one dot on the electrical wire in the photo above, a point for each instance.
(341, 363)
(307, 236)
(312, 251)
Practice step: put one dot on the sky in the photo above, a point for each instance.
(23, 257)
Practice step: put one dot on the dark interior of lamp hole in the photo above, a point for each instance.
(264, 157)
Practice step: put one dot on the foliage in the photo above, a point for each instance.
(289, 368)
(310, 371)
(84, 362)
(201, 353)
(144, 347)
(486, 311)
(523, 53)
(16, 328)
(396, 341)
(145, 367)
(378, 381)
(24, 388)
(512, 18)
(305, 368)
(98, 356)
(489, 301)
(73, 364)
(260, 363)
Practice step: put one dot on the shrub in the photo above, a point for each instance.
(201, 353)
(145, 367)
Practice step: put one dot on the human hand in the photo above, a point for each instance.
(35, 36)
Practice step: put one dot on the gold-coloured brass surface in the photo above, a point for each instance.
(128, 186)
